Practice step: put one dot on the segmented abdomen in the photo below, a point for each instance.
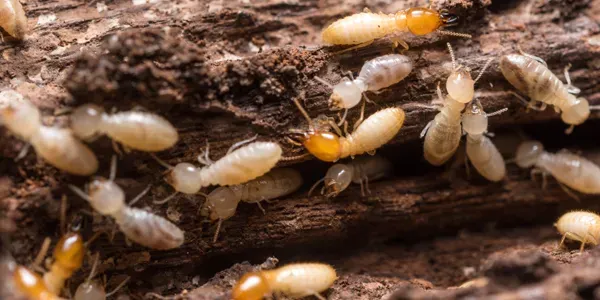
(581, 224)
(486, 158)
(441, 141)
(148, 229)
(275, 184)
(359, 28)
(141, 131)
(301, 280)
(243, 164)
(572, 170)
(372, 167)
(374, 132)
(384, 71)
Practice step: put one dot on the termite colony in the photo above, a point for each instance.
(248, 173)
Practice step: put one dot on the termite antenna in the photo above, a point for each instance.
(79, 192)
(217, 232)
(140, 195)
(161, 162)
(303, 111)
(496, 112)
(314, 186)
(93, 271)
(63, 214)
(487, 64)
(40, 256)
(570, 87)
(113, 168)
(457, 34)
(166, 199)
(452, 56)
(323, 81)
(118, 287)
(293, 158)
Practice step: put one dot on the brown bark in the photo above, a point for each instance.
(222, 75)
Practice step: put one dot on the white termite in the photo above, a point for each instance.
(569, 169)
(236, 167)
(360, 171)
(443, 133)
(13, 19)
(137, 130)
(481, 151)
(294, 281)
(92, 290)
(140, 226)
(580, 226)
(56, 145)
(222, 202)
(531, 76)
(376, 74)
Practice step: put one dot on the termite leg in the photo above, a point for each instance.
(346, 129)
(424, 131)
(36, 264)
(396, 40)
(582, 244)
(529, 104)
(261, 208)
(367, 185)
(118, 287)
(166, 199)
(23, 152)
(361, 45)
(206, 159)
(116, 148)
(538, 59)
(113, 168)
(335, 127)
(343, 118)
(570, 88)
(569, 129)
(362, 188)
(238, 144)
(362, 115)
(317, 295)
(569, 192)
(312, 188)
(161, 162)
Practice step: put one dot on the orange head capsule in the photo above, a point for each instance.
(323, 145)
(252, 286)
(69, 252)
(422, 21)
(31, 285)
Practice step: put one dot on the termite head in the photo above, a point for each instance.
(105, 196)
(346, 94)
(91, 290)
(460, 85)
(31, 284)
(19, 115)
(185, 178)
(337, 179)
(86, 120)
(528, 153)
(222, 203)
(474, 119)
(323, 145)
(252, 286)
(69, 251)
(576, 114)
(422, 21)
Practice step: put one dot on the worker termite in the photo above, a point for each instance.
(360, 170)
(140, 226)
(293, 281)
(363, 28)
(236, 167)
(135, 129)
(92, 290)
(13, 19)
(531, 76)
(580, 226)
(57, 146)
(443, 133)
(569, 169)
(222, 202)
(374, 132)
(375, 74)
(481, 151)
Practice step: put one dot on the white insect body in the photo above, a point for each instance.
(359, 171)
(93, 290)
(140, 226)
(236, 167)
(531, 76)
(135, 129)
(13, 19)
(294, 281)
(481, 151)
(222, 202)
(569, 169)
(56, 145)
(580, 226)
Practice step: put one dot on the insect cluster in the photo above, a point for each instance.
(247, 173)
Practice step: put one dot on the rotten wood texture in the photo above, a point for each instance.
(223, 71)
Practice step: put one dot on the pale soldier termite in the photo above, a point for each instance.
(363, 28)
(443, 133)
(376, 74)
(134, 129)
(13, 19)
(236, 167)
(531, 76)
(580, 226)
(378, 129)
(569, 169)
(57, 146)
(222, 202)
(294, 281)
(93, 290)
(140, 226)
(481, 151)
(360, 170)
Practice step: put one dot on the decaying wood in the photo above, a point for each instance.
(222, 72)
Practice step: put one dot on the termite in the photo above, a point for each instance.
(57, 146)
(92, 290)
(372, 133)
(375, 74)
(580, 226)
(443, 133)
(68, 258)
(32, 285)
(360, 170)
(13, 19)
(140, 226)
(222, 202)
(135, 129)
(569, 169)
(363, 28)
(237, 166)
(481, 151)
(293, 281)
(531, 76)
